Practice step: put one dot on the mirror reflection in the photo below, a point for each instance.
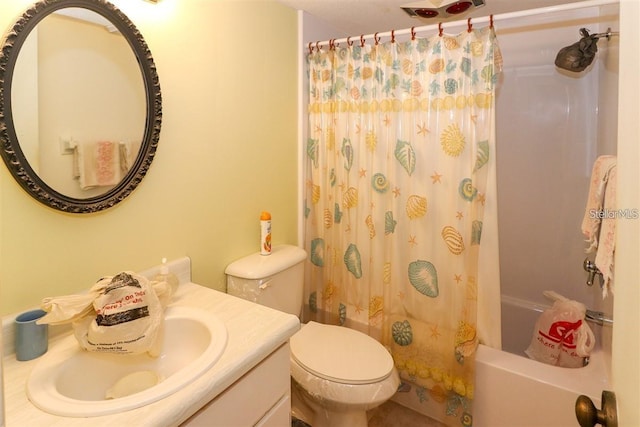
(79, 105)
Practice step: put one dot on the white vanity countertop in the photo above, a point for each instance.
(254, 332)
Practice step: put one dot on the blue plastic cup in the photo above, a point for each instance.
(31, 339)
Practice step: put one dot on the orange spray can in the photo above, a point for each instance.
(265, 233)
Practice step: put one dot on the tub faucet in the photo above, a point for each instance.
(598, 317)
(590, 267)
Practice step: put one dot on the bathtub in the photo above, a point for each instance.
(515, 391)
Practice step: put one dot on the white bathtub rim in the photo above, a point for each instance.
(589, 380)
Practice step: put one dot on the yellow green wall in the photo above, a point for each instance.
(228, 149)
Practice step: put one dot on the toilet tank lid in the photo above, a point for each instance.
(256, 266)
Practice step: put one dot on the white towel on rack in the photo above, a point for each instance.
(607, 238)
(598, 224)
(97, 164)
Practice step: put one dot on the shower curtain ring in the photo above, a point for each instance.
(469, 26)
(413, 33)
(490, 21)
(376, 38)
(310, 48)
(318, 46)
(393, 36)
(440, 30)
(361, 40)
(349, 42)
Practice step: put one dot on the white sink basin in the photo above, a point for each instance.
(71, 382)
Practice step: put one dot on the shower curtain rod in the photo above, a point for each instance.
(469, 21)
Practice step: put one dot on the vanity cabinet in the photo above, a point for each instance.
(261, 397)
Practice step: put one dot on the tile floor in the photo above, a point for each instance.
(391, 414)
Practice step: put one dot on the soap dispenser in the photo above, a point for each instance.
(165, 275)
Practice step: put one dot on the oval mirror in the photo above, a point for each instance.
(80, 104)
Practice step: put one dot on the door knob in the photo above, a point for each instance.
(589, 416)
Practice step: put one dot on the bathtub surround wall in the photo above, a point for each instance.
(207, 183)
(552, 125)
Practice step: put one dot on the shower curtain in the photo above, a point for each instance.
(399, 152)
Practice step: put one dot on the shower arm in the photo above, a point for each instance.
(608, 34)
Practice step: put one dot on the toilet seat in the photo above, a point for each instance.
(340, 354)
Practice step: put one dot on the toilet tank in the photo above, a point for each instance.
(275, 280)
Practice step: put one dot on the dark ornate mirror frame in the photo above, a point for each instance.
(11, 152)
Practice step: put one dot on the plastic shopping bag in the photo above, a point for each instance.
(120, 314)
(561, 336)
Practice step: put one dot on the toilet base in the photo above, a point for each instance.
(306, 409)
(299, 408)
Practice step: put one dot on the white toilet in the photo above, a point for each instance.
(338, 372)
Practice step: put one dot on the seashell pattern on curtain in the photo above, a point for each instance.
(399, 138)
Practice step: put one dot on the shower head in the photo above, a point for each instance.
(578, 56)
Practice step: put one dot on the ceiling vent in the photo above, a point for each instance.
(440, 9)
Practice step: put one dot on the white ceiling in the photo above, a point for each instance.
(355, 17)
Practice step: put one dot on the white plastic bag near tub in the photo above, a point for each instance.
(561, 336)
(120, 314)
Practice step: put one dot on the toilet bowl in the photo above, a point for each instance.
(339, 373)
